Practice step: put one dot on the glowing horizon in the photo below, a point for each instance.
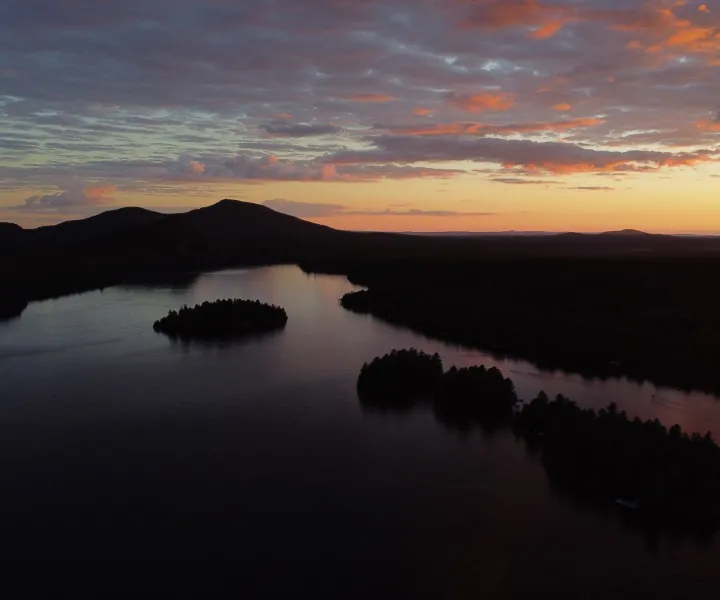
(405, 115)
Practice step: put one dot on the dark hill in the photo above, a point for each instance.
(134, 244)
(234, 220)
(11, 236)
(10, 231)
(225, 223)
(72, 233)
(627, 233)
(9, 228)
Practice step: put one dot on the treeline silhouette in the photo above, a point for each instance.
(406, 378)
(644, 319)
(222, 319)
(667, 476)
(661, 477)
(400, 377)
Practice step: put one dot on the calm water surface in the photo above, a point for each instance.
(116, 442)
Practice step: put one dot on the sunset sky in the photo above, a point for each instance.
(425, 115)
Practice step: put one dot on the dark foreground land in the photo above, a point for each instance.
(661, 477)
(624, 303)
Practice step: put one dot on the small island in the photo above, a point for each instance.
(475, 395)
(662, 477)
(400, 377)
(222, 319)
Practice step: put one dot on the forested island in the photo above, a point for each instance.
(222, 319)
(400, 377)
(662, 477)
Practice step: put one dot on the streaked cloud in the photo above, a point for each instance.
(299, 130)
(371, 98)
(481, 129)
(307, 210)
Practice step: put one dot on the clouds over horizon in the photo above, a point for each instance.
(71, 199)
(309, 210)
(149, 95)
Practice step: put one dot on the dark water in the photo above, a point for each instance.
(116, 442)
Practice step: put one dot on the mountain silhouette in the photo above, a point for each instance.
(107, 223)
(226, 222)
(232, 220)
(626, 232)
(10, 234)
(129, 245)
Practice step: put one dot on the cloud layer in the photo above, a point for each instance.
(155, 95)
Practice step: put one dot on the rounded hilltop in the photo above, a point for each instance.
(222, 319)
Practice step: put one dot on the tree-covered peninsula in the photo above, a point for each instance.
(662, 476)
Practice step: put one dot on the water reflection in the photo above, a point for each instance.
(110, 432)
(189, 344)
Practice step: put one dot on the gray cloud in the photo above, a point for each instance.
(300, 130)
(310, 210)
(304, 209)
(556, 157)
(521, 181)
(200, 80)
(594, 188)
(70, 199)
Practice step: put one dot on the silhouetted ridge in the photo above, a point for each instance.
(234, 220)
(11, 235)
(111, 222)
(626, 232)
(10, 228)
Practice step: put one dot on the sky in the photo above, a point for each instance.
(397, 115)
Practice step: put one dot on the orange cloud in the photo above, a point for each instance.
(663, 29)
(195, 167)
(422, 112)
(657, 21)
(99, 193)
(548, 29)
(463, 128)
(371, 98)
(477, 103)
(619, 166)
(562, 106)
(544, 19)
(707, 125)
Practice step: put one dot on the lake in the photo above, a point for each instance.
(118, 442)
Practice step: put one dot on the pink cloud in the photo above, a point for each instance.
(486, 101)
